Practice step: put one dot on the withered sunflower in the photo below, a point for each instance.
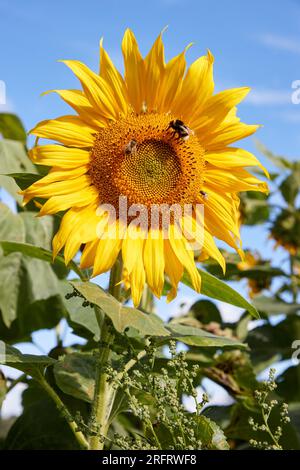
(123, 143)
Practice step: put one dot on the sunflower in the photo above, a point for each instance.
(158, 136)
(261, 280)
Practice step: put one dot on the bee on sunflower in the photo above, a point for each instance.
(157, 136)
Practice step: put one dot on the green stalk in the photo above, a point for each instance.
(65, 412)
(104, 392)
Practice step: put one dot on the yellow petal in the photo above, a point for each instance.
(226, 134)
(197, 87)
(154, 261)
(196, 234)
(173, 268)
(69, 130)
(132, 252)
(77, 199)
(132, 247)
(134, 70)
(57, 188)
(96, 89)
(184, 255)
(108, 249)
(59, 156)
(89, 254)
(217, 107)
(154, 70)
(233, 182)
(171, 81)
(233, 158)
(114, 79)
(79, 102)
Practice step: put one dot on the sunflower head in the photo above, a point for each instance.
(286, 231)
(157, 138)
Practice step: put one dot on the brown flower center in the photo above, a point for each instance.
(140, 158)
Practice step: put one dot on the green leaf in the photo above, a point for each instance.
(82, 319)
(121, 317)
(211, 435)
(38, 253)
(75, 375)
(28, 363)
(13, 159)
(27, 286)
(24, 180)
(267, 341)
(197, 337)
(290, 187)
(272, 306)
(205, 312)
(40, 427)
(11, 127)
(254, 208)
(289, 384)
(216, 289)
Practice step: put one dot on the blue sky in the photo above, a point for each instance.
(255, 44)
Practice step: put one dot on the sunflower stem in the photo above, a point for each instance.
(79, 436)
(104, 392)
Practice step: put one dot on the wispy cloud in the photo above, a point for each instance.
(268, 97)
(282, 43)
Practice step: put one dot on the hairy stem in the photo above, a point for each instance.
(83, 443)
(104, 392)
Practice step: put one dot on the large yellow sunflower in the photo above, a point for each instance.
(157, 136)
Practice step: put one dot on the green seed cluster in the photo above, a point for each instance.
(266, 406)
(155, 399)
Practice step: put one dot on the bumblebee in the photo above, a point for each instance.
(204, 195)
(180, 129)
(131, 147)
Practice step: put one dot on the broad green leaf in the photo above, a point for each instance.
(12, 128)
(82, 319)
(75, 375)
(24, 180)
(121, 317)
(205, 311)
(272, 306)
(28, 363)
(11, 225)
(211, 435)
(290, 187)
(41, 426)
(37, 252)
(13, 159)
(216, 289)
(197, 337)
(267, 341)
(254, 208)
(27, 286)
(289, 384)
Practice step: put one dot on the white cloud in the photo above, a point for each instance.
(268, 97)
(282, 43)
